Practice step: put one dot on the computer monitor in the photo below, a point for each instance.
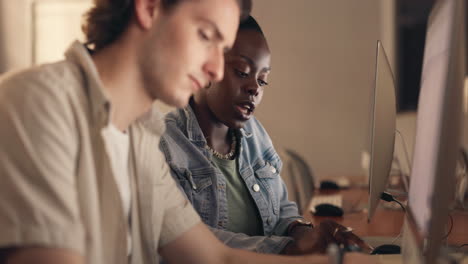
(383, 125)
(439, 117)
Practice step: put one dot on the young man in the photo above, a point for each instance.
(80, 180)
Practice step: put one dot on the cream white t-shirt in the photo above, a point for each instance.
(118, 148)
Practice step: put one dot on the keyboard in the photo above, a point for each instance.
(334, 199)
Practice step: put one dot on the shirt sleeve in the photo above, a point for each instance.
(288, 210)
(38, 200)
(259, 244)
(179, 214)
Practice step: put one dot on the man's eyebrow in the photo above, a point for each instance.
(251, 62)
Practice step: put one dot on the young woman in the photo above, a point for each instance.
(224, 160)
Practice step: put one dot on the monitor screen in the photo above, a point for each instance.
(383, 129)
(438, 126)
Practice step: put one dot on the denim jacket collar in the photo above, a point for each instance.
(193, 130)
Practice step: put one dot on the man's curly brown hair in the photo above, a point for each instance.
(108, 19)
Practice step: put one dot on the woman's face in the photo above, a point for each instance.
(233, 100)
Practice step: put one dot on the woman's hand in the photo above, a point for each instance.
(316, 240)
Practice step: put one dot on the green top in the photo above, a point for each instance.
(243, 216)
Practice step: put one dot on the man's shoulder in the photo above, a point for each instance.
(152, 122)
(44, 79)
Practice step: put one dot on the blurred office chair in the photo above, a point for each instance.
(298, 177)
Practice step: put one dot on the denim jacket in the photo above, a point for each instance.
(183, 145)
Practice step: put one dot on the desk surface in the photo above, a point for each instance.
(385, 222)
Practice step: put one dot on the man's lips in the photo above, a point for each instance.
(197, 85)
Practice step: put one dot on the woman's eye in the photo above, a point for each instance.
(241, 74)
(262, 82)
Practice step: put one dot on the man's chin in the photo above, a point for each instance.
(177, 102)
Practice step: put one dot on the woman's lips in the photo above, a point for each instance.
(244, 111)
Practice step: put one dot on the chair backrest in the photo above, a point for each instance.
(298, 177)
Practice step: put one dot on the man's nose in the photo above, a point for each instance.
(214, 67)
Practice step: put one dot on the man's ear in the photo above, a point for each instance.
(145, 11)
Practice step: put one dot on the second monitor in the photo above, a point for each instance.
(383, 126)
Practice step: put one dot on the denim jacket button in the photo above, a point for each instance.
(273, 169)
(268, 221)
(256, 187)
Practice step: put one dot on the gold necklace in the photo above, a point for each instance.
(227, 156)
